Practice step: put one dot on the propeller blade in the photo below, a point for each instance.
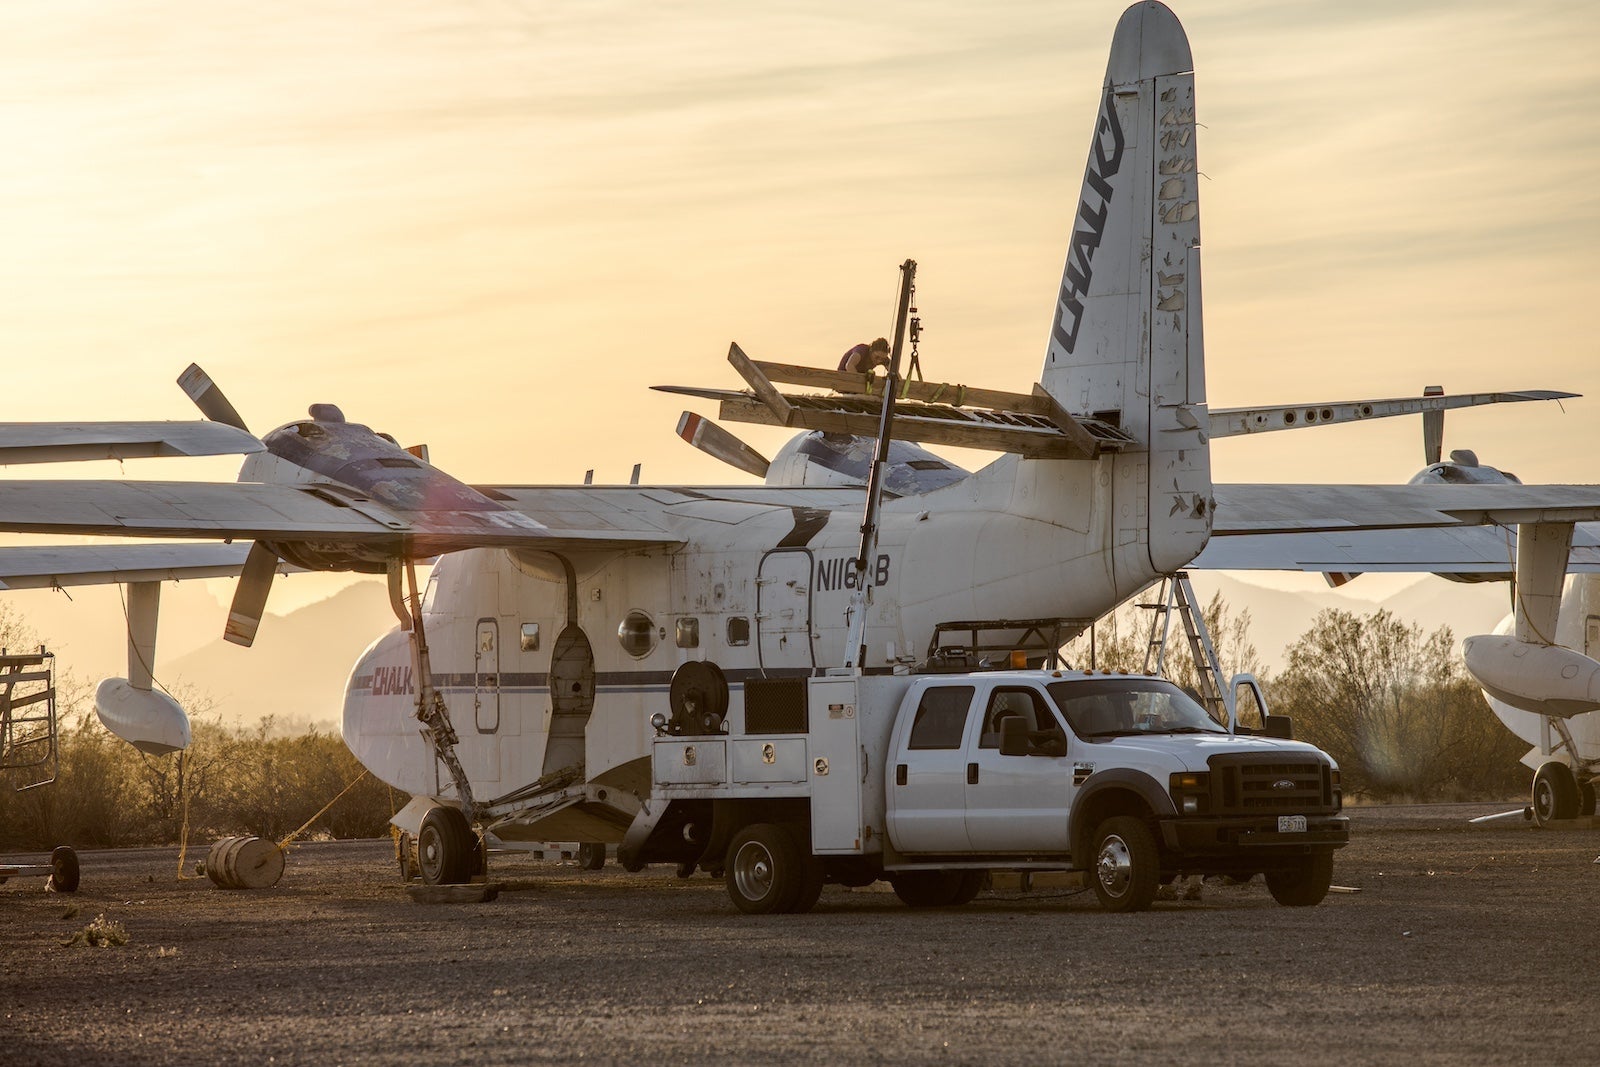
(713, 440)
(208, 398)
(1432, 429)
(250, 598)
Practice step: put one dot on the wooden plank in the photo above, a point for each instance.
(476, 893)
(929, 392)
(762, 386)
(1032, 443)
(1082, 440)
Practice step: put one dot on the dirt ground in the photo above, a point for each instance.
(1464, 944)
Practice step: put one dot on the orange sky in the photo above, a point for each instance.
(489, 225)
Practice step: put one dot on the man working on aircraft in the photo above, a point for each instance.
(862, 358)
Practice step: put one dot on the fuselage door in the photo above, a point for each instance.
(1591, 636)
(486, 676)
(783, 610)
(571, 699)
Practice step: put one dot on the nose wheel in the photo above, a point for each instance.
(447, 849)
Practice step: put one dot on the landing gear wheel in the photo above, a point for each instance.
(1303, 885)
(446, 847)
(763, 870)
(1127, 866)
(1555, 794)
(591, 857)
(64, 870)
(811, 873)
(1585, 799)
(933, 889)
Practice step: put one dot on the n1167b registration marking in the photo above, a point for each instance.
(1291, 824)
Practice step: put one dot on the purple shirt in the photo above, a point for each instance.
(857, 360)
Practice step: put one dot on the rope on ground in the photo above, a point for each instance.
(283, 846)
(183, 791)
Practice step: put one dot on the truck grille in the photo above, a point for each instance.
(1246, 785)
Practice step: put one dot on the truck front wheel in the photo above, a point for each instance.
(1127, 867)
(765, 871)
(1304, 884)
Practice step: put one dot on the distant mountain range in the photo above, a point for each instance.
(302, 659)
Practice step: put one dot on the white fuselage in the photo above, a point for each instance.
(756, 589)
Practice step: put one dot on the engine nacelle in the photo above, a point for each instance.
(1543, 679)
(150, 721)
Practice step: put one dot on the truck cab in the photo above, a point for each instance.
(932, 781)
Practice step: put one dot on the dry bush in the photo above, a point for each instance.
(1396, 709)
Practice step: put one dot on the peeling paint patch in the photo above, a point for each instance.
(1184, 212)
(1171, 189)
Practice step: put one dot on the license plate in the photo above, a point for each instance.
(1291, 824)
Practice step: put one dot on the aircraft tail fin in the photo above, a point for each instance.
(1125, 342)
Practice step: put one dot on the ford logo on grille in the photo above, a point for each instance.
(1283, 783)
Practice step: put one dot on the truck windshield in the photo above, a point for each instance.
(1117, 707)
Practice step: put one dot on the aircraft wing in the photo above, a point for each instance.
(637, 510)
(1475, 550)
(303, 512)
(52, 442)
(60, 566)
(1269, 508)
(1463, 529)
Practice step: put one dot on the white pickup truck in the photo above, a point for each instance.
(931, 781)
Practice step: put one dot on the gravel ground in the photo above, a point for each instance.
(1464, 944)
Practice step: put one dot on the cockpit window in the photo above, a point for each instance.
(1120, 707)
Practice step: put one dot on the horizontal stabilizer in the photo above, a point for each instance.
(63, 442)
(1231, 422)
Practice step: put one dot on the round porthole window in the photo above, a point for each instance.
(637, 633)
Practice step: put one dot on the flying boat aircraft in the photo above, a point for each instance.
(516, 695)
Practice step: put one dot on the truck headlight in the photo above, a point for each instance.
(1191, 792)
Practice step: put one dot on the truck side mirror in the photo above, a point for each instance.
(1013, 736)
(1278, 726)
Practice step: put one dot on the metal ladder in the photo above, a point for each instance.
(1178, 595)
(28, 731)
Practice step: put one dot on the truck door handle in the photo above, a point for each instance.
(900, 774)
(972, 774)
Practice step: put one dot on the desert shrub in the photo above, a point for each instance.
(1396, 709)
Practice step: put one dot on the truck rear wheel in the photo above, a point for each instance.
(1127, 867)
(812, 875)
(764, 872)
(1304, 884)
